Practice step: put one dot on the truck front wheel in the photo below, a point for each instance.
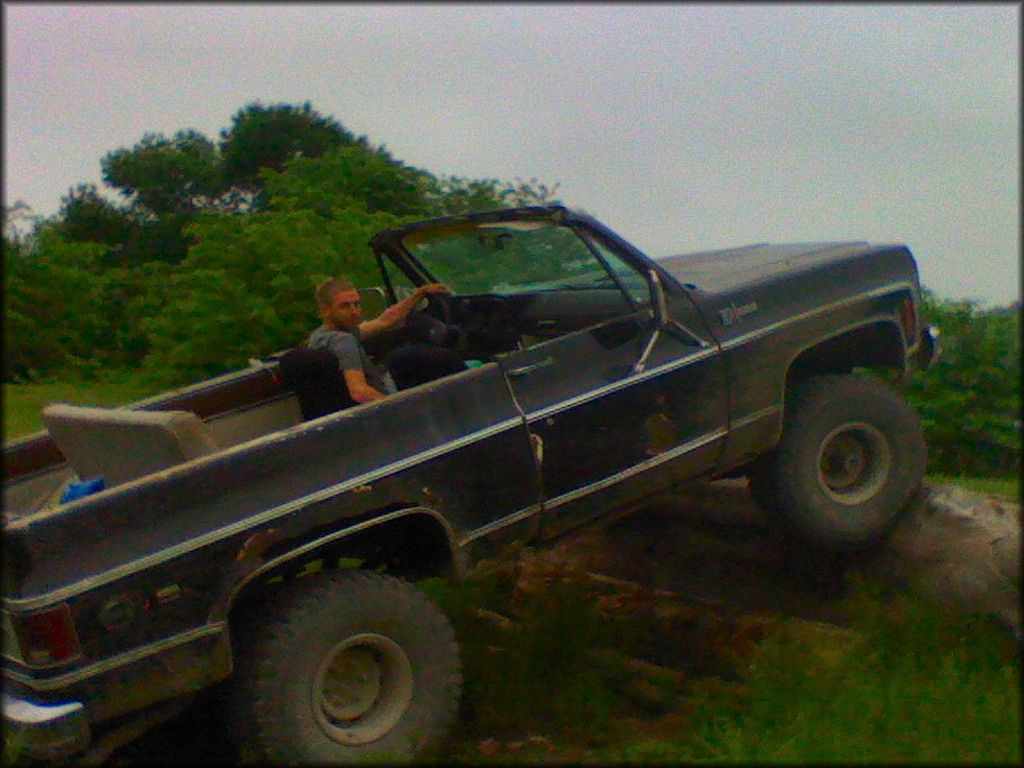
(346, 666)
(852, 454)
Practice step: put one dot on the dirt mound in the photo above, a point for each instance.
(711, 545)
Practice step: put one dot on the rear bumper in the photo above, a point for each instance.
(45, 731)
(55, 717)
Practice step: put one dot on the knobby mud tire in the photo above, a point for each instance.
(345, 667)
(851, 456)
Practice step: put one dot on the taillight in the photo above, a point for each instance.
(908, 318)
(47, 637)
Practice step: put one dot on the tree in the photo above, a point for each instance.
(246, 288)
(159, 176)
(350, 177)
(269, 136)
(87, 217)
(54, 314)
(969, 399)
(19, 223)
(213, 253)
(452, 195)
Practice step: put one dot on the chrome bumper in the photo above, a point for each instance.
(44, 731)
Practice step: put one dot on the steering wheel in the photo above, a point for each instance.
(439, 305)
(433, 324)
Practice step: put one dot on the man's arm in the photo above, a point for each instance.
(360, 391)
(396, 314)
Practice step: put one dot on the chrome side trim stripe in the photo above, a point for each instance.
(121, 660)
(758, 415)
(398, 466)
(637, 469)
(347, 531)
(515, 517)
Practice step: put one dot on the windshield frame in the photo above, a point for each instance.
(390, 244)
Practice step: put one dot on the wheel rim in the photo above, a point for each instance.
(362, 688)
(853, 463)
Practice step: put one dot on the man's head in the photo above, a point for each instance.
(339, 303)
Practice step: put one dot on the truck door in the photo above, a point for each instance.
(600, 421)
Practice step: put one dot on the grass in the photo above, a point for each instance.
(23, 403)
(1008, 488)
(916, 686)
(907, 682)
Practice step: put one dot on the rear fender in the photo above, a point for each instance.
(419, 538)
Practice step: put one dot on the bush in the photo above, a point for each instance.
(969, 399)
(246, 288)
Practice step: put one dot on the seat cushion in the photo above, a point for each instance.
(119, 444)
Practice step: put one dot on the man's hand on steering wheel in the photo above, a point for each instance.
(433, 324)
(397, 314)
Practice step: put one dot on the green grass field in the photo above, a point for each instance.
(906, 683)
(24, 402)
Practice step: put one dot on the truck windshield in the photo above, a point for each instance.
(518, 257)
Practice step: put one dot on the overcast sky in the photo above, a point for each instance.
(683, 127)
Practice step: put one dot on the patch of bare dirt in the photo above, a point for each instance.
(709, 544)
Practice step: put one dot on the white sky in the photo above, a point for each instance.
(682, 127)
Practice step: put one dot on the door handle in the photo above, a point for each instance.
(526, 370)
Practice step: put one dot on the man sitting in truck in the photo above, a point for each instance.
(344, 330)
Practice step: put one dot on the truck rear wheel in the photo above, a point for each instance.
(347, 666)
(851, 456)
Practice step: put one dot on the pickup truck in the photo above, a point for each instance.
(236, 534)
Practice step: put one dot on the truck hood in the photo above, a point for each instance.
(756, 286)
(727, 269)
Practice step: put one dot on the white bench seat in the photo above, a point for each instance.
(121, 444)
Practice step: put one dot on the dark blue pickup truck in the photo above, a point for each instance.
(237, 534)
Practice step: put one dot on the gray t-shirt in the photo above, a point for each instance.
(347, 347)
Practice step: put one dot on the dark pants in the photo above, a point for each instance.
(416, 364)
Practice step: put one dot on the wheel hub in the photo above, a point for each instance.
(362, 689)
(853, 463)
(351, 684)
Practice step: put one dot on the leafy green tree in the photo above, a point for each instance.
(166, 183)
(220, 242)
(269, 136)
(158, 176)
(453, 195)
(350, 177)
(54, 314)
(246, 288)
(969, 399)
(87, 217)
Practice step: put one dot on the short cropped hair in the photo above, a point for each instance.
(330, 287)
